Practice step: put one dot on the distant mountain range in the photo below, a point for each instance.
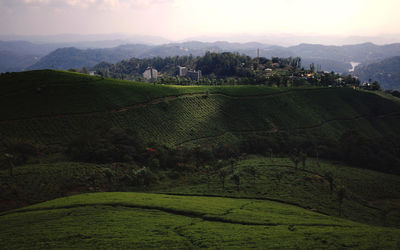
(386, 72)
(66, 58)
(330, 58)
(20, 55)
(88, 40)
(11, 61)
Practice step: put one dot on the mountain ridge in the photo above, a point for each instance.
(331, 58)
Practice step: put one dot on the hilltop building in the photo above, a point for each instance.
(182, 71)
(150, 74)
(192, 74)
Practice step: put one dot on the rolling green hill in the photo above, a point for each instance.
(53, 107)
(371, 197)
(137, 220)
(217, 164)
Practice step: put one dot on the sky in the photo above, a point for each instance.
(182, 19)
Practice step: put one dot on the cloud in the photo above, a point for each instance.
(37, 1)
(84, 4)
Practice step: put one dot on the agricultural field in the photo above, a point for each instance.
(370, 197)
(200, 166)
(138, 220)
(69, 103)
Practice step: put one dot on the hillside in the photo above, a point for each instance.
(14, 62)
(27, 48)
(227, 166)
(137, 220)
(19, 55)
(365, 52)
(66, 58)
(54, 107)
(371, 197)
(385, 71)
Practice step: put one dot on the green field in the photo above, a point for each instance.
(68, 103)
(371, 197)
(167, 148)
(137, 220)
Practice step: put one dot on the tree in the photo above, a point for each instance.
(232, 161)
(17, 152)
(317, 155)
(279, 176)
(329, 178)
(312, 67)
(253, 172)
(236, 179)
(270, 154)
(9, 159)
(144, 176)
(85, 71)
(222, 173)
(208, 171)
(375, 86)
(340, 195)
(303, 158)
(384, 214)
(294, 157)
(219, 164)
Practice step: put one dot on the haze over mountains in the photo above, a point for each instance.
(386, 71)
(331, 58)
(77, 51)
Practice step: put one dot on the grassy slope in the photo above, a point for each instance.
(135, 220)
(368, 193)
(69, 103)
(224, 114)
(68, 93)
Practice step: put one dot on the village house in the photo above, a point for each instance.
(150, 74)
(194, 75)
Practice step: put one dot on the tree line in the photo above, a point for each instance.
(227, 69)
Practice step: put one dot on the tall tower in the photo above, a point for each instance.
(258, 55)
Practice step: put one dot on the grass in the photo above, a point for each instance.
(368, 193)
(40, 182)
(366, 190)
(51, 92)
(272, 210)
(137, 220)
(69, 103)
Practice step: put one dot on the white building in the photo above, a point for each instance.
(182, 71)
(192, 74)
(150, 74)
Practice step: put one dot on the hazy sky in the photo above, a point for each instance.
(179, 19)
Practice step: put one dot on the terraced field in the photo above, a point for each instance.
(263, 199)
(137, 220)
(371, 197)
(183, 115)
